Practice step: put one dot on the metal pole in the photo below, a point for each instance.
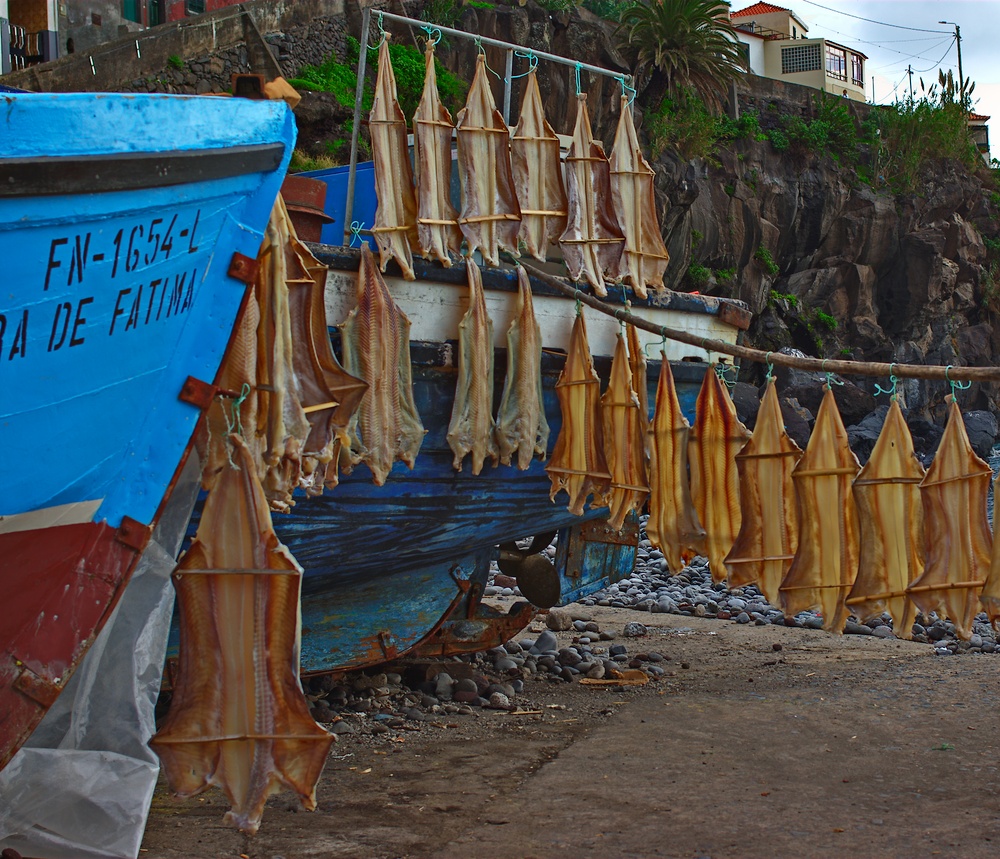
(366, 20)
(958, 44)
(909, 71)
(507, 79)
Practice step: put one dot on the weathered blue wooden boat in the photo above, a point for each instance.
(129, 228)
(404, 565)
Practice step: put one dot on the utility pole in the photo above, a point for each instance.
(909, 71)
(958, 46)
(873, 89)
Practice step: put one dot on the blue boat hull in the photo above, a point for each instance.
(128, 229)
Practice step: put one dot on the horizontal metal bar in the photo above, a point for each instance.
(485, 40)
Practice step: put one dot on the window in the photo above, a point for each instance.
(857, 70)
(804, 58)
(131, 11)
(745, 51)
(836, 62)
(195, 7)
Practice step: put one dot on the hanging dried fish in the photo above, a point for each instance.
(637, 363)
(957, 539)
(395, 227)
(330, 395)
(521, 424)
(990, 596)
(645, 257)
(592, 242)
(826, 561)
(717, 437)
(673, 525)
(537, 174)
(472, 428)
(490, 215)
(238, 719)
(578, 464)
(887, 496)
(624, 446)
(376, 345)
(768, 535)
(437, 220)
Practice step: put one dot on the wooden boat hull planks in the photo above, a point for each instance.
(395, 227)
(715, 487)
(887, 495)
(957, 539)
(673, 525)
(768, 535)
(578, 462)
(826, 561)
(238, 719)
(592, 242)
(490, 217)
(645, 257)
(521, 424)
(537, 174)
(472, 428)
(376, 345)
(438, 233)
(624, 443)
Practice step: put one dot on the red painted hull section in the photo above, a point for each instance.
(57, 588)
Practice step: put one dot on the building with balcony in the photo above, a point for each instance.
(778, 46)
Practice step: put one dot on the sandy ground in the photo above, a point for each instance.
(758, 742)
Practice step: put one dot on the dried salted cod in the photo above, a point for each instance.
(490, 215)
(957, 539)
(645, 257)
(826, 561)
(537, 174)
(624, 445)
(396, 215)
(237, 374)
(673, 525)
(592, 242)
(990, 596)
(437, 220)
(330, 395)
(578, 464)
(238, 719)
(282, 425)
(637, 363)
(887, 496)
(715, 487)
(521, 424)
(376, 345)
(472, 428)
(769, 533)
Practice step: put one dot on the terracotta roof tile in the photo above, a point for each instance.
(978, 117)
(758, 9)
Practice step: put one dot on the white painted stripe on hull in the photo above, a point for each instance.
(435, 310)
(49, 517)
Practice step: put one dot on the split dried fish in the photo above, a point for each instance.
(673, 525)
(395, 227)
(637, 363)
(437, 220)
(521, 424)
(769, 534)
(239, 719)
(537, 174)
(578, 463)
(645, 257)
(715, 487)
(887, 495)
(472, 428)
(990, 596)
(826, 561)
(376, 346)
(592, 242)
(624, 444)
(490, 216)
(957, 539)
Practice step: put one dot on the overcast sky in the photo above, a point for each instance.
(890, 48)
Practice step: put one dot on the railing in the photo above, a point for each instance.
(26, 49)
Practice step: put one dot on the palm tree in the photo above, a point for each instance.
(688, 43)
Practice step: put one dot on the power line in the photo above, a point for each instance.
(938, 63)
(870, 20)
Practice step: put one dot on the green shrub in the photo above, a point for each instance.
(609, 10)
(763, 256)
(698, 274)
(683, 125)
(730, 189)
(696, 237)
(826, 320)
(175, 62)
(725, 275)
(790, 299)
(557, 5)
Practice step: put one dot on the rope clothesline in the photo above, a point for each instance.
(821, 365)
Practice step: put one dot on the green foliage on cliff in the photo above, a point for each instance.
(407, 64)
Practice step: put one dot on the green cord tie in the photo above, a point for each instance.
(579, 91)
(891, 391)
(770, 367)
(528, 55)
(430, 31)
(955, 386)
(356, 228)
